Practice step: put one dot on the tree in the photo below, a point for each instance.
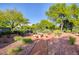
(61, 13)
(57, 12)
(34, 27)
(74, 13)
(46, 24)
(42, 26)
(12, 19)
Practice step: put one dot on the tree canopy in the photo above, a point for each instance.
(43, 25)
(12, 19)
(61, 11)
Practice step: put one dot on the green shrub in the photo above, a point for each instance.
(22, 39)
(76, 30)
(72, 40)
(57, 32)
(27, 40)
(6, 32)
(68, 31)
(18, 49)
(14, 50)
(21, 33)
(16, 38)
(46, 31)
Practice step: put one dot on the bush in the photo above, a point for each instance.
(22, 39)
(68, 31)
(72, 40)
(27, 40)
(46, 31)
(6, 32)
(16, 38)
(14, 50)
(57, 32)
(19, 32)
(18, 49)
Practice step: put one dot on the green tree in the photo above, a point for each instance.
(12, 19)
(34, 28)
(42, 26)
(46, 24)
(60, 13)
(74, 15)
(57, 12)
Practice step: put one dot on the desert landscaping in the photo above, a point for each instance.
(45, 45)
(58, 34)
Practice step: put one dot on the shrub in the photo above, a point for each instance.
(68, 31)
(22, 39)
(72, 40)
(46, 31)
(21, 33)
(14, 50)
(6, 32)
(57, 32)
(18, 49)
(16, 38)
(27, 40)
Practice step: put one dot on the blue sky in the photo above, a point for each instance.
(33, 11)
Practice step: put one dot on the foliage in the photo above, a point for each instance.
(61, 12)
(47, 31)
(57, 32)
(26, 40)
(43, 26)
(60, 16)
(68, 31)
(46, 24)
(72, 40)
(25, 28)
(12, 19)
(17, 38)
(5, 32)
(12, 51)
(76, 30)
(23, 39)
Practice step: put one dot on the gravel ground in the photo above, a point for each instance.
(47, 46)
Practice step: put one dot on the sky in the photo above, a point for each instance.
(33, 11)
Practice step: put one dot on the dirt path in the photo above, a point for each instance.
(4, 50)
(28, 48)
(40, 48)
(52, 46)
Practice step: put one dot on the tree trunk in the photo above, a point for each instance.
(61, 27)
